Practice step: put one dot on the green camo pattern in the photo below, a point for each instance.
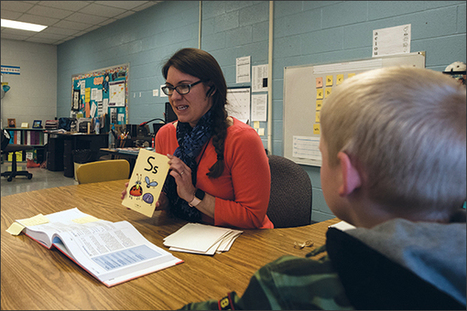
(288, 283)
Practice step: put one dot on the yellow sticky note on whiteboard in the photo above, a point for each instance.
(350, 75)
(339, 79)
(317, 116)
(319, 93)
(319, 104)
(328, 91)
(319, 82)
(328, 80)
(316, 129)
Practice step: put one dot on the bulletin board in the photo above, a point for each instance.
(102, 93)
(305, 88)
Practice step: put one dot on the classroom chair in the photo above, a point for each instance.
(290, 201)
(13, 148)
(105, 170)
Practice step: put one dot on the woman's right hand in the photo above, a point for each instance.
(124, 190)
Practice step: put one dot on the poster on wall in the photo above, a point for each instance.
(96, 92)
(117, 94)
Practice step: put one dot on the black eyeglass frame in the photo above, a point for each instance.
(167, 88)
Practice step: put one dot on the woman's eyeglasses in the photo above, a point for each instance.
(181, 89)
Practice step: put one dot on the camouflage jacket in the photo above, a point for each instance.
(395, 265)
(288, 283)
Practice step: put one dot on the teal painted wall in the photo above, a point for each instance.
(305, 32)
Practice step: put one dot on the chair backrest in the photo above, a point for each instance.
(103, 171)
(290, 201)
(5, 139)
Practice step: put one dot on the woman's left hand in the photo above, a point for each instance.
(182, 174)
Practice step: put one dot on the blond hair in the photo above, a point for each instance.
(406, 128)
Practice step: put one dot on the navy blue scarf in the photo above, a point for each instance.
(190, 144)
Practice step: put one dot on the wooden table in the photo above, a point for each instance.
(34, 277)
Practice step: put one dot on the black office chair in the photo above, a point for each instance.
(6, 149)
(290, 201)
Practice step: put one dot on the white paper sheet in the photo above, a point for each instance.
(243, 69)
(259, 78)
(117, 94)
(239, 103)
(259, 107)
(392, 40)
(306, 147)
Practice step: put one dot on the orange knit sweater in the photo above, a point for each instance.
(242, 191)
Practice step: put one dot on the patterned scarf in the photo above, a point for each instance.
(190, 143)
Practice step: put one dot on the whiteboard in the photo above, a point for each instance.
(304, 89)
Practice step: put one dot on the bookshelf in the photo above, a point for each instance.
(29, 137)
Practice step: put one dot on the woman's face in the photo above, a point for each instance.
(190, 107)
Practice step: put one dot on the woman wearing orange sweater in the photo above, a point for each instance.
(219, 170)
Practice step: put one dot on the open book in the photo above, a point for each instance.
(146, 182)
(111, 252)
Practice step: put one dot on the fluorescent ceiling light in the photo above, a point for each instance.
(23, 26)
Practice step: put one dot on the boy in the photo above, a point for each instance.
(393, 150)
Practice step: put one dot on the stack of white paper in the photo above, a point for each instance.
(201, 239)
(342, 225)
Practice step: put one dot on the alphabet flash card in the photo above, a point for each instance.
(146, 182)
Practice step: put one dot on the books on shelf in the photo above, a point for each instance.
(201, 239)
(146, 182)
(27, 137)
(111, 252)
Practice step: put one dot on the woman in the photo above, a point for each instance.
(219, 169)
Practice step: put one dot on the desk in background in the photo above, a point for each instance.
(34, 277)
(130, 154)
(61, 146)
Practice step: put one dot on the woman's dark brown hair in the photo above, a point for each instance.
(201, 64)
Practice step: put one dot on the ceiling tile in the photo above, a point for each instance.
(80, 34)
(50, 12)
(41, 40)
(72, 25)
(66, 19)
(127, 13)
(146, 5)
(86, 18)
(100, 10)
(48, 36)
(109, 21)
(93, 28)
(13, 36)
(128, 5)
(16, 6)
(60, 31)
(19, 32)
(41, 20)
(6, 14)
(66, 5)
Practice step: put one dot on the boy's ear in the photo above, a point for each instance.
(351, 179)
